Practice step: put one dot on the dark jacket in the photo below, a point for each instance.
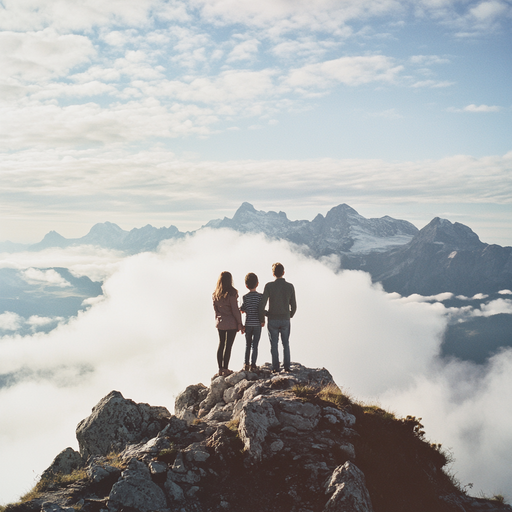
(281, 297)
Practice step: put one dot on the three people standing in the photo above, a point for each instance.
(282, 306)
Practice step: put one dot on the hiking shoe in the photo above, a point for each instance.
(246, 368)
(254, 368)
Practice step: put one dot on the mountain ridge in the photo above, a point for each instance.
(441, 257)
(254, 442)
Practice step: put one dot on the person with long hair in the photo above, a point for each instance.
(228, 319)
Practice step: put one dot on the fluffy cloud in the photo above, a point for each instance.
(481, 108)
(154, 334)
(44, 277)
(69, 15)
(96, 263)
(495, 307)
(10, 321)
(43, 54)
(346, 70)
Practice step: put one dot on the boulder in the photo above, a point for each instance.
(116, 422)
(256, 417)
(100, 473)
(348, 488)
(215, 395)
(196, 452)
(136, 490)
(297, 414)
(334, 416)
(65, 462)
(173, 490)
(187, 402)
(146, 451)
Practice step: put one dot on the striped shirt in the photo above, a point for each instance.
(250, 306)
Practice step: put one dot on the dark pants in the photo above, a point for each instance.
(252, 338)
(226, 339)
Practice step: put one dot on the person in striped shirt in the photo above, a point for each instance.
(252, 328)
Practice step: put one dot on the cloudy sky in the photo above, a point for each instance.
(175, 112)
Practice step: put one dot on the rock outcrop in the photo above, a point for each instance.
(249, 442)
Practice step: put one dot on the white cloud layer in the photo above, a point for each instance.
(154, 334)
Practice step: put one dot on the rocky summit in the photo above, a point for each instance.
(251, 441)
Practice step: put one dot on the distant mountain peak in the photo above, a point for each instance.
(245, 206)
(454, 235)
(106, 227)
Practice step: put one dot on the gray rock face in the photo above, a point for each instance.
(443, 257)
(348, 488)
(256, 442)
(116, 422)
(136, 490)
(255, 419)
(64, 463)
(186, 403)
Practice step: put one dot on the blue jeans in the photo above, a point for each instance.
(252, 338)
(274, 328)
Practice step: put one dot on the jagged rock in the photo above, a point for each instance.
(221, 443)
(254, 441)
(237, 391)
(65, 462)
(196, 452)
(97, 473)
(148, 450)
(220, 412)
(296, 414)
(157, 468)
(179, 464)
(235, 378)
(335, 415)
(116, 422)
(136, 490)
(174, 491)
(349, 492)
(255, 419)
(187, 402)
(190, 477)
(215, 394)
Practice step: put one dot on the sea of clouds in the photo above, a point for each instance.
(153, 334)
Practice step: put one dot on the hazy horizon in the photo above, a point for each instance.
(491, 236)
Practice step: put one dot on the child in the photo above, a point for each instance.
(227, 319)
(253, 325)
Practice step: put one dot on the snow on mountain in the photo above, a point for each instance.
(342, 230)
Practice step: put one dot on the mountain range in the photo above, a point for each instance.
(441, 257)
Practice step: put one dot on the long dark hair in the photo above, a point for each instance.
(224, 286)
